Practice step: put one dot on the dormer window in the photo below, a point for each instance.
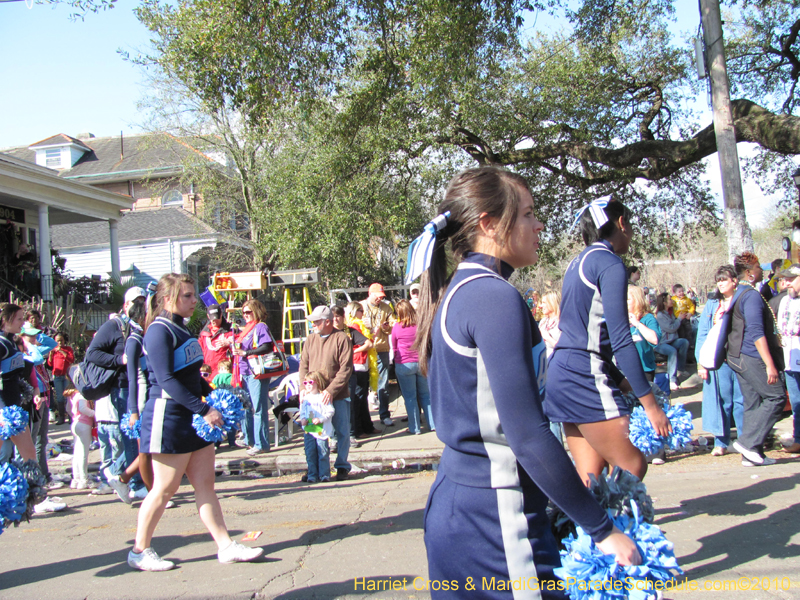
(59, 152)
(53, 158)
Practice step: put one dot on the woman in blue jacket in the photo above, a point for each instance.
(722, 398)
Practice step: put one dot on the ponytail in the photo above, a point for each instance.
(589, 230)
(483, 191)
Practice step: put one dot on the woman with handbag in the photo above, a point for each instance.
(255, 340)
(722, 398)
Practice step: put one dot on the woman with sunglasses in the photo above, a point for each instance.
(486, 511)
(254, 340)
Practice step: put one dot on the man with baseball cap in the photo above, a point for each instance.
(379, 317)
(330, 351)
(107, 350)
(788, 318)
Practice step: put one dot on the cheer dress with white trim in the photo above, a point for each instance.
(584, 381)
(485, 515)
(175, 388)
(12, 362)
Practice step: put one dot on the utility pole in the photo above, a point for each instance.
(740, 238)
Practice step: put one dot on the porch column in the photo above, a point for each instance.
(45, 258)
(114, 237)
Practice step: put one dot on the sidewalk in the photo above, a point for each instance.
(391, 444)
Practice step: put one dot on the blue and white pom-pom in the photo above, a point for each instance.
(132, 433)
(643, 436)
(592, 575)
(232, 413)
(13, 421)
(13, 495)
(616, 492)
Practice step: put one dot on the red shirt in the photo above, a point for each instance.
(60, 360)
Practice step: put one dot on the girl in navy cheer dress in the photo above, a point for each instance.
(485, 515)
(174, 397)
(12, 365)
(586, 387)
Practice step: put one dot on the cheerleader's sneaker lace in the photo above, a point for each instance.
(149, 560)
(236, 552)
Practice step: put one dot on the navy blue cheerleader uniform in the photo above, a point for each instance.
(12, 364)
(584, 381)
(173, 372)
(485, 516)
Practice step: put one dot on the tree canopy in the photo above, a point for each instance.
(345, 118)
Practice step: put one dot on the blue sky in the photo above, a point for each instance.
(63, 76)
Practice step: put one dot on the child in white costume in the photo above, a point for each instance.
(315, 417)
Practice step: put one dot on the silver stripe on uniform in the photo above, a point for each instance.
(610, 408)
(517, 546)
(502, 461)
(157, 429)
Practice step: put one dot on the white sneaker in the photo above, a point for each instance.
(117, 485)
(139, 494)
(388, 422)
(103, 489)
(170, 504)
(49, 505)
(236, 552)
(764, 462)
(749, 455)
(149, 560)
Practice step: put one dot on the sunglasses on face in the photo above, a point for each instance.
(309, 382)
(205, 375)
(247, 312)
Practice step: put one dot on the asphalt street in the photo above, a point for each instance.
(733, 528)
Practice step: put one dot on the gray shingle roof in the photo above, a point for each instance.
(133, 227)
(61, 138)
(130, 158)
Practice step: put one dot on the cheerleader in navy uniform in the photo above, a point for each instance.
(12, 365)
(174, 397)
(586, 387)
(486, 512)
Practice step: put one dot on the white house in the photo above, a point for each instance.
(163, 231)
(151, 243)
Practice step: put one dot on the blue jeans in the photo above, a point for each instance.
(341, 429)
(793, 387)
(317, 457)
(383, 380)
(414, 387)
(675, 351)
(256, 431)
(112, 449)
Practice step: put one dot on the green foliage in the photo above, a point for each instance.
(343, 119)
